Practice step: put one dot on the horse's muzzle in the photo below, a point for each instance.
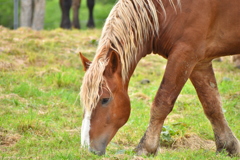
(98, 152)
(98, 147)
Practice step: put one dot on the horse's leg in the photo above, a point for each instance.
(177, 72)
(75, 7)
(90, 4)
(65, 6)
(204, 81)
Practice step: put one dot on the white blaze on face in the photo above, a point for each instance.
(85, 137)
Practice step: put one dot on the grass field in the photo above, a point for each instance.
(40, 113)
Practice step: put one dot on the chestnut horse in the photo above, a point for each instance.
(75, 4)
(189, 34)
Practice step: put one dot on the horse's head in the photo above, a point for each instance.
(112, 109)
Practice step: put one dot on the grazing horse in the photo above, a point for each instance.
(75, 4)
(189, 34)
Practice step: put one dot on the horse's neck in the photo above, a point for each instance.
(144, 51)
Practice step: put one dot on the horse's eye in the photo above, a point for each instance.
(104, 101)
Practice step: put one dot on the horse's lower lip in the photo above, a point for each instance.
(97, 152)
(98, 146)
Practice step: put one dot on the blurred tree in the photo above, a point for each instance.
(32, 14)
(6, 13)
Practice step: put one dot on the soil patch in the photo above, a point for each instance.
(8, 139)
(193, 142)
(13, 96)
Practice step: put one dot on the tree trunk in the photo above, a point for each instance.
(32, 13)
(26, 13)
(38, 16)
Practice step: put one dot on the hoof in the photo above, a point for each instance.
(235, 150)
(232, 148)
(91, 25)
(140, 151)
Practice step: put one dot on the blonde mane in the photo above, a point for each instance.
(129, 25)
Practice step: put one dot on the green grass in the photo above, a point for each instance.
(40, 113)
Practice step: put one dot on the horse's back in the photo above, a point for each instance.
(224, 35)
(209, 26)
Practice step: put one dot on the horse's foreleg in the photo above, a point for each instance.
(90, 4)
(177, 71)
(75, 6)
(204, 81)
(65, 8)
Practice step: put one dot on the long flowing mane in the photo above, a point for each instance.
(129, 25)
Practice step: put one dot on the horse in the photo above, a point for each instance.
(189, 34)
(75, 4)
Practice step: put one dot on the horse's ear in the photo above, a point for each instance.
(114, 63)
(86, 63)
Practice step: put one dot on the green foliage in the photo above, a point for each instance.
(6, 13)
(167, 133)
